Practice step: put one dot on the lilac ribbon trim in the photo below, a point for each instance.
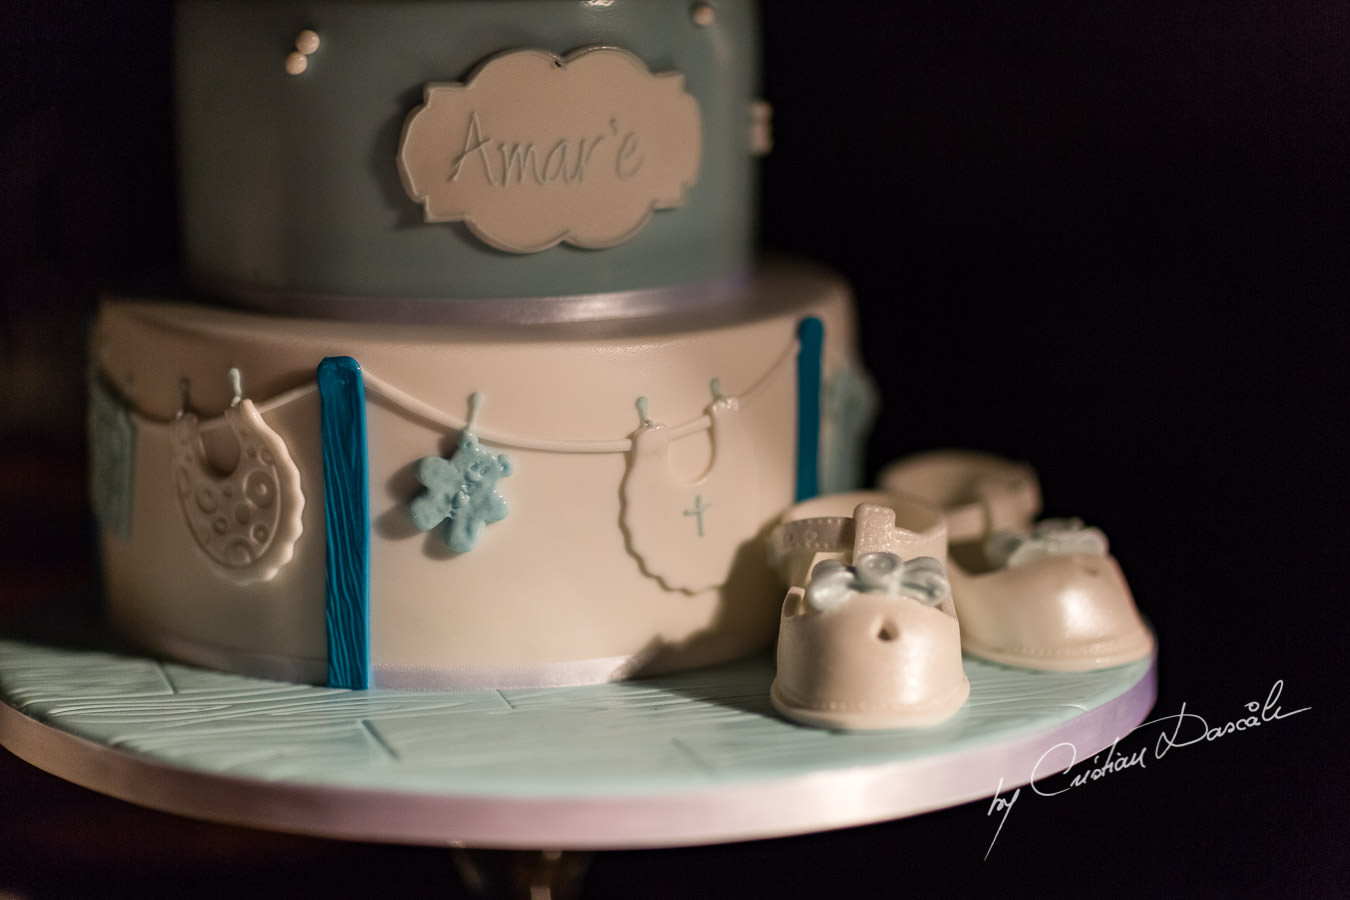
(713, 293)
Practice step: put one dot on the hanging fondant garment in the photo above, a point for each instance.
(677, 530)
(112, 458)
(246, 521)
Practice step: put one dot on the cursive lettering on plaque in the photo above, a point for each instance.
(514, 163)
(536, 149)
(625, 166)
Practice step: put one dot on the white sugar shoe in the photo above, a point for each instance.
(868, 637)
(1044, 596)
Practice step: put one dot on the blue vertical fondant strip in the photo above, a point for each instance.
(811, 343)
(347, 510)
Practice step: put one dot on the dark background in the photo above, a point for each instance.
(1110, 238)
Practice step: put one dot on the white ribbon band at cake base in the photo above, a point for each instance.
(275, 667)
(568, 673)
(575, 673)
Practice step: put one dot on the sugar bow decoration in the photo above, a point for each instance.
(923, 579)
(462, 490)
(1051, 537)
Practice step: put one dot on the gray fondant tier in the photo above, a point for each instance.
(290, 180)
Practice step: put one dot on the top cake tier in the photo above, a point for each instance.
(511, 159)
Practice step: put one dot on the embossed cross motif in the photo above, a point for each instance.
(698, 509)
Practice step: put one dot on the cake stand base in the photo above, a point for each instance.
(694, 758)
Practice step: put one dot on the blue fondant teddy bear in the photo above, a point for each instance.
(462, 490)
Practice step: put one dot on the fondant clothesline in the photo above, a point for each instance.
(412, 407)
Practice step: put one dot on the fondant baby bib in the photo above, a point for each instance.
(678, 531)
(246, 522)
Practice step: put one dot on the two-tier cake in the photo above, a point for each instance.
(476, 383)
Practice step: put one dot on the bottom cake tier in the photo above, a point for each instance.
(464, 506)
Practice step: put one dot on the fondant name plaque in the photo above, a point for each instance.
(535, 149)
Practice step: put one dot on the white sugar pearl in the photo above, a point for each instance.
(307, 42)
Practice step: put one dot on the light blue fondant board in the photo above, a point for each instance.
(347, 512)
(694, 758)
(811, 343)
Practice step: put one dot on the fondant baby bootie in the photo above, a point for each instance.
(1043, 596)
(868, 637)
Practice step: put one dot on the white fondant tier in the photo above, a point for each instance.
(629, 544)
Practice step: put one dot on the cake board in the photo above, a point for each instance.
(694, 758)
